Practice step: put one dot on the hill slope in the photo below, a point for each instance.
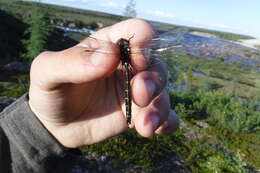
(88, 17)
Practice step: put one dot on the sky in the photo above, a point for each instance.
(238, 16)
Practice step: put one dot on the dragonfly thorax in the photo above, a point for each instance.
(124, 47)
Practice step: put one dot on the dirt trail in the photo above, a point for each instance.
(253, 43)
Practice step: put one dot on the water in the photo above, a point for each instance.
(68, 30)
(199, 73)
(213, 48)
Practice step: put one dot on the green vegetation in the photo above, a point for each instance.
(224, 76)
(207, 149)
(257, 46)
(39, 31)
(252, 54)
(11, 34)
(132, 148)
(15, 87)
(63, 14)
(220, 110)
(130, 9)
(220, 132)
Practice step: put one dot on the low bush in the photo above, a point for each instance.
(219, 109)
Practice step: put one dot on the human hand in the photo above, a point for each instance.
(77, 95)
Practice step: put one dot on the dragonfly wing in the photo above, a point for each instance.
(158, 46)
(162, 42)
(149, 49)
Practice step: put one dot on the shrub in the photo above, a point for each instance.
(39, 31)
(219, 109)
(211, 158)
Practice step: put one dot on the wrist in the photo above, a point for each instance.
(56, 130)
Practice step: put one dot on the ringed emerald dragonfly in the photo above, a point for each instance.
(152, 50)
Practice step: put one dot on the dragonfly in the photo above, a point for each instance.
(151, 49)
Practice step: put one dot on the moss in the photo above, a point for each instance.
(132, 148)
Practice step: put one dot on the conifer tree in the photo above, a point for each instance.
(130, 10)
(39, 31)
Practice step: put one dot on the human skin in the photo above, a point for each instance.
(78, 94)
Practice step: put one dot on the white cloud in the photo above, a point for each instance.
(83, 1)
(112, 4)
(162, 14)
(200, 23)
(221, 26)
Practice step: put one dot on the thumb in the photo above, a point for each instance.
(79, 64)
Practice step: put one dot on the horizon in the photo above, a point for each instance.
(235, 16)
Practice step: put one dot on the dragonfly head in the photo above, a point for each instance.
(124, 47)
(123, 44)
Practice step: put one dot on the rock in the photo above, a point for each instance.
(5, 101)
(60, 24)
(192, 132)
(100, 25)
(17, 67)
(78, 169)
(72, 25)
(257, 107)
(103, 158)
(202, 124)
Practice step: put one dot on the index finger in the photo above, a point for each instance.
(138, 30)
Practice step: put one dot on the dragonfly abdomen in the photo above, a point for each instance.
(124, 48)
(128, 95)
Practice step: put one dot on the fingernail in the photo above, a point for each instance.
(165, 124)
(155, 121)
(151, 87)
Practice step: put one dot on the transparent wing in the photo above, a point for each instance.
(150, 49)
(165, 41)
(157, 49)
